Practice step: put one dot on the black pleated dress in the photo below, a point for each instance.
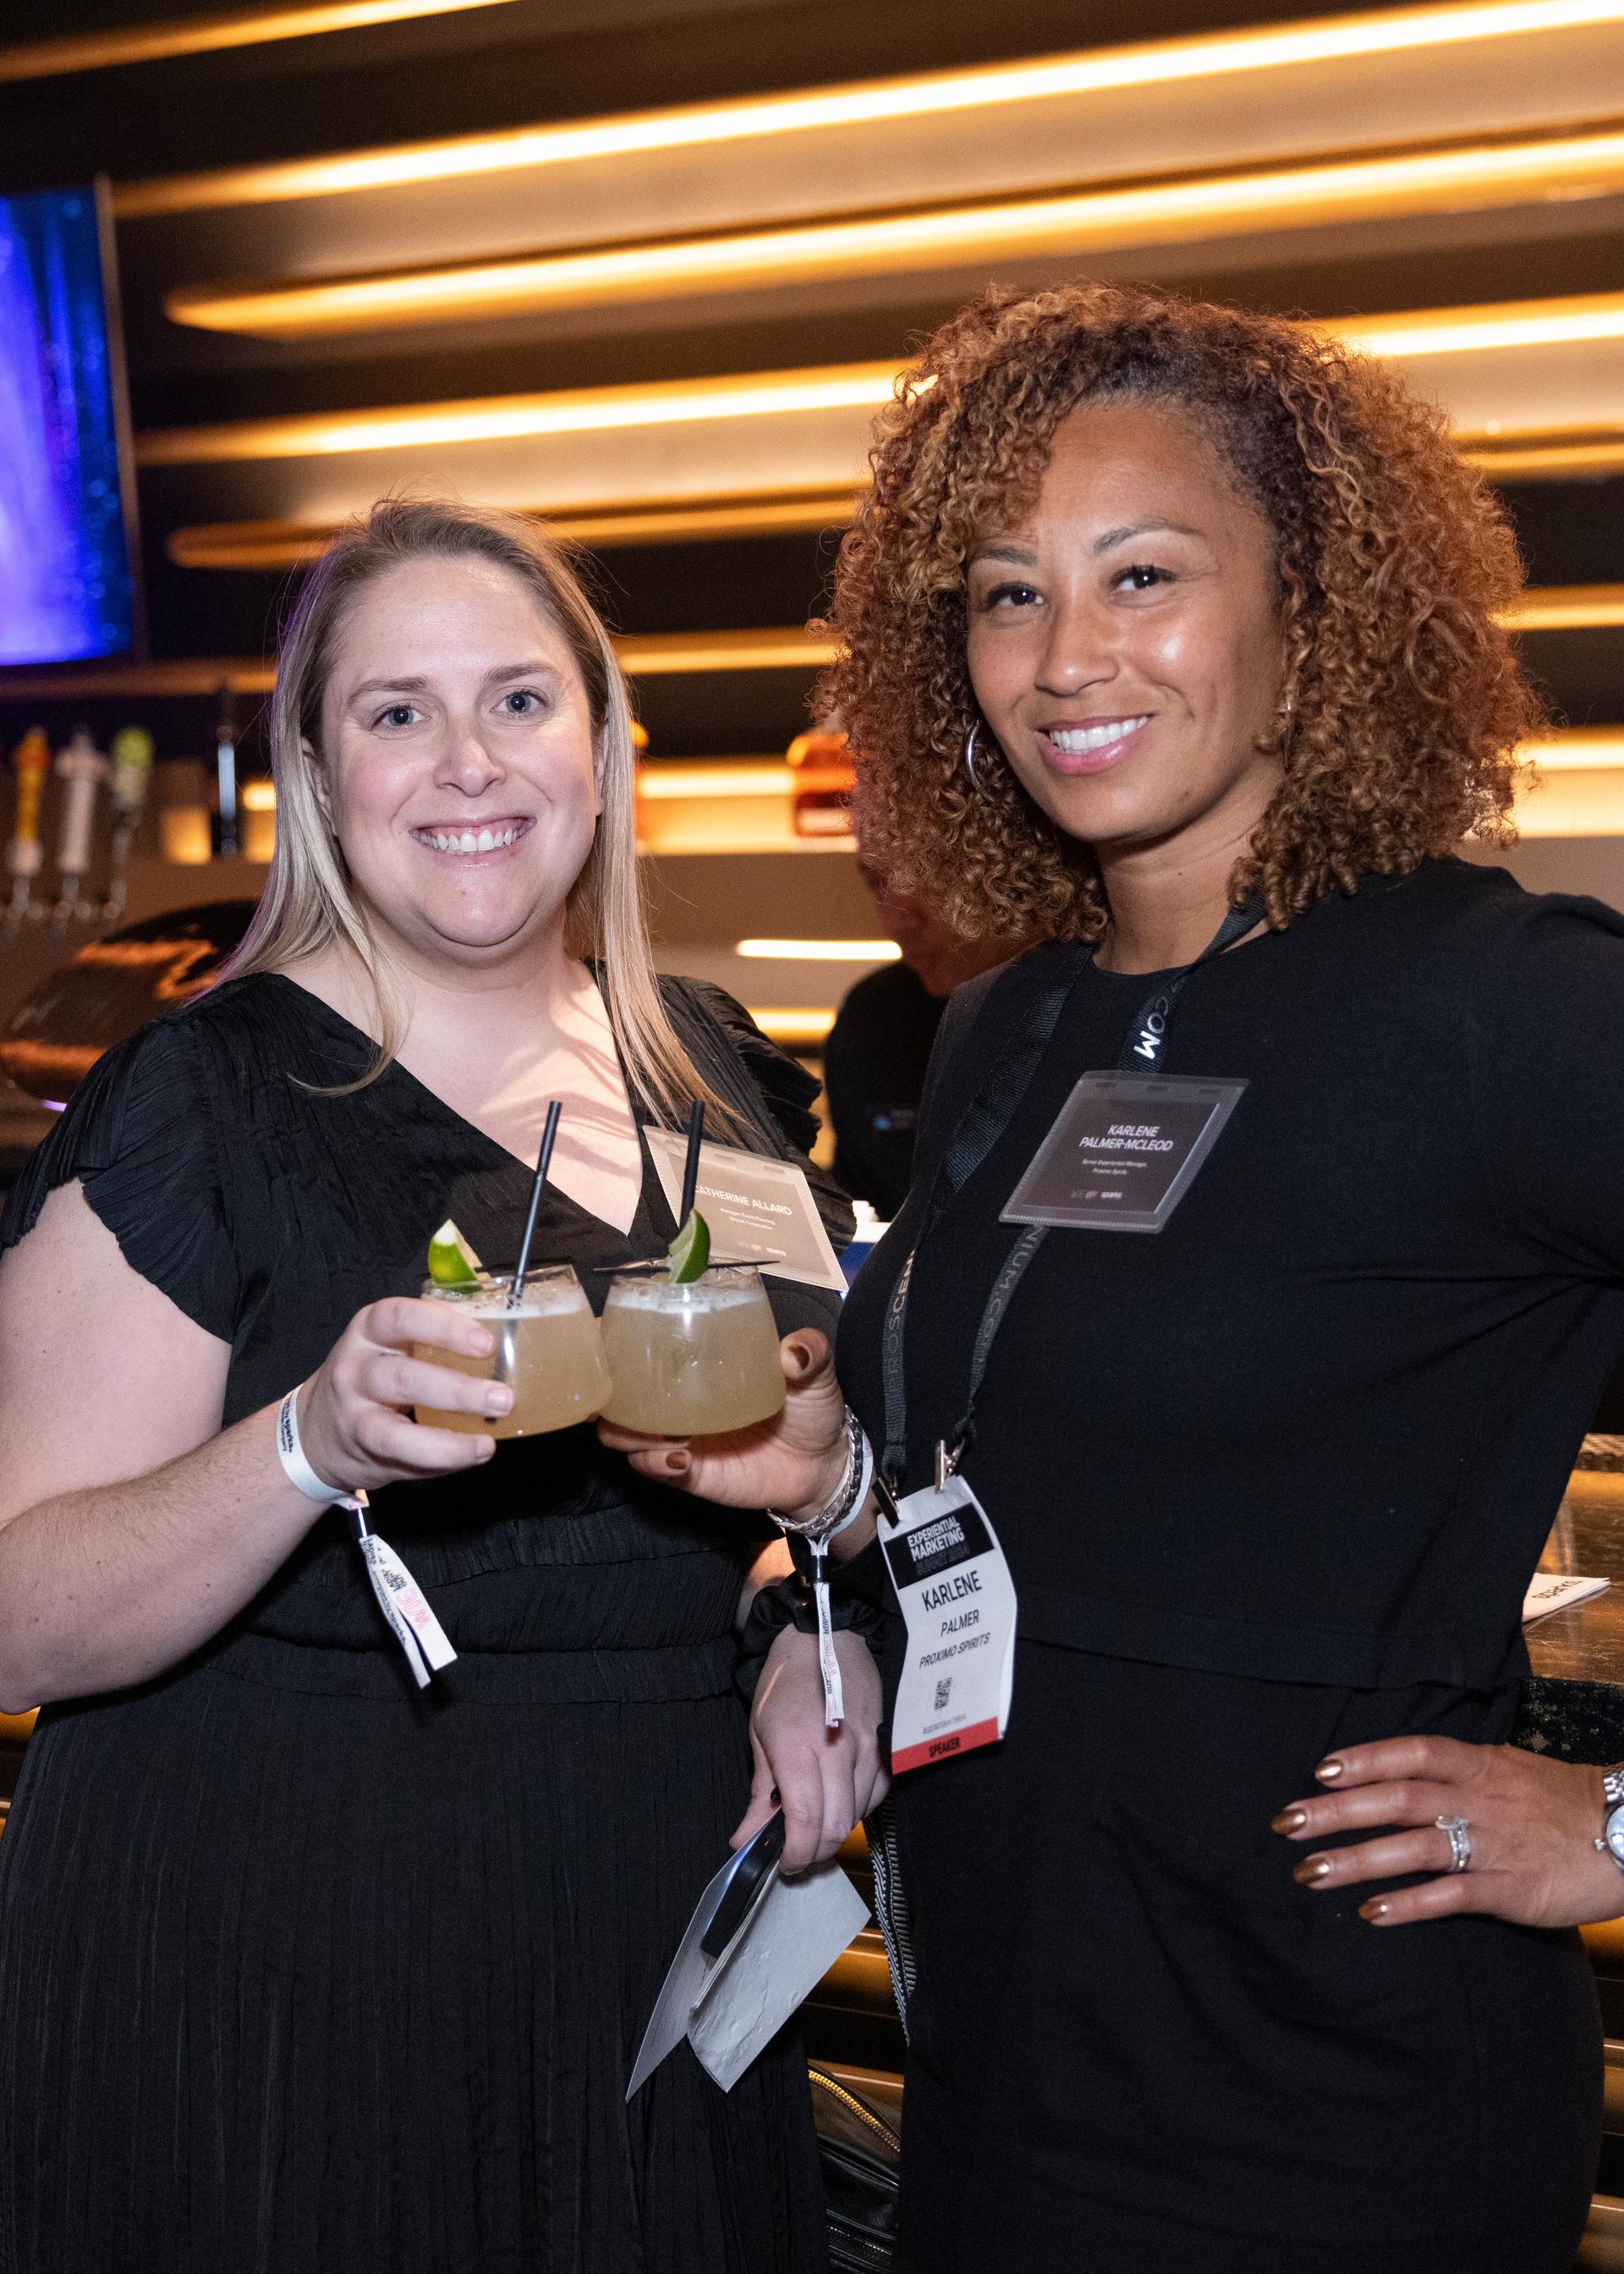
(1270, 1481)
(301, 1971)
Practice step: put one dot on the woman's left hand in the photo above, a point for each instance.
(825, 1780)
(1533, 1824)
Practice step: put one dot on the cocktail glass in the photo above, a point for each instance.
(548, 1351)
(692, 1357)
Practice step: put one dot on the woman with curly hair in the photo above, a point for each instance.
(1173, 631)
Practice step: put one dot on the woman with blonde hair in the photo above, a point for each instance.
(301, 1967)
(1263, 1266)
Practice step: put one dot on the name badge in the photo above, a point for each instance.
(760, 1210)
(957, 1595)
(1124, 1152)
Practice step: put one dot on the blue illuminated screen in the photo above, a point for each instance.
(65, 589)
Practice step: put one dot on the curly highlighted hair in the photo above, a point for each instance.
(1406, 705)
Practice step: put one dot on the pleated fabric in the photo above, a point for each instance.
(301, 1970)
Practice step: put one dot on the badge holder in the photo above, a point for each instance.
(956, 1595)
(1123, 1151)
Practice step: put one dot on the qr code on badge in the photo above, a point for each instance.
(943, 1688)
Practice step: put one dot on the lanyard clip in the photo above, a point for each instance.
(947, 1464)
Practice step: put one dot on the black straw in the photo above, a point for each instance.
(690, 1167)
(515, 1293)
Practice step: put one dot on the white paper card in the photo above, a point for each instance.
(788, 1943)
(756, 1207)
(1549, 1591)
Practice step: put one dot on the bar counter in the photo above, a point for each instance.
(1572, 1704)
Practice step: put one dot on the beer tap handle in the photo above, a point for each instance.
(80, 769)
(25, 853)
(225, 773)
(131, 758)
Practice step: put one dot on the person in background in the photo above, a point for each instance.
(880, 1044)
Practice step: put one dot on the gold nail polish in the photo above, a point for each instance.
(1372, 1912)
(1290, 1820)
(1316, 1868)
(1329, 1772)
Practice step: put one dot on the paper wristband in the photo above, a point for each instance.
(423, 1640)
(829, 1665)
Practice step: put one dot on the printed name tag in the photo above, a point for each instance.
(756, 1208)
(957, 1595)
(1124, 1152)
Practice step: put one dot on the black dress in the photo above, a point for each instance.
(301, 1970)
(1270, 1481)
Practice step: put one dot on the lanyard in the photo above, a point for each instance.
(984, 1123)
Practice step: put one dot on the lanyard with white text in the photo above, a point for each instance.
(982, 1125)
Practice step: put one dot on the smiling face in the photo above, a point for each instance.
(1125, 639)
(457, 754)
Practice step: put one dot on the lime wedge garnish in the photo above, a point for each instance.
(690, 1251)
(452, 1262)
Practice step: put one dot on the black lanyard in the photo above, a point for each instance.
(982, 1123)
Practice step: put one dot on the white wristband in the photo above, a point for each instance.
(290, 1453)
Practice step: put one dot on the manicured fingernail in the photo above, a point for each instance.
(1375, 1912)
(1329, 1771)
(498, 1400)
(487, 1447)
(1290, 1820)
(480, 1341)
(677, 1464)
(1317, 1867)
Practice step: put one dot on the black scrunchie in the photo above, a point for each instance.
(790, 1604)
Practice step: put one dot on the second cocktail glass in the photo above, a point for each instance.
(692, 1357)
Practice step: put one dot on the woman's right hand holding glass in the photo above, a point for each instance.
(356, 1410)
(793, 1461)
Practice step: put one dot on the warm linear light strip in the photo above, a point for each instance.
(820, 951)
(644, 655)
(1587, 317)
(243, 28)
(1555, 455)
(667, 780)
(1100, 71)
(290, 545)
(278, 544)
(840, 387)
(790, 1026)
(1187, 210)
(1579, 749)
(1566, 609)
(1591, 316)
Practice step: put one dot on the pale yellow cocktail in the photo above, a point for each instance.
(548, 1351)
(692, 1357)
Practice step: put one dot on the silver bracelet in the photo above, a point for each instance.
(844, 1505)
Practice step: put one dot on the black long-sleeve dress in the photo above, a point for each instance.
(301, 1970)
(1269, 1481)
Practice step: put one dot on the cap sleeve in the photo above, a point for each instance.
(138, 1136)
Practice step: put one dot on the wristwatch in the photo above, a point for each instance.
(1612, 1841)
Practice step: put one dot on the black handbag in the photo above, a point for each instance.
(860, 2153)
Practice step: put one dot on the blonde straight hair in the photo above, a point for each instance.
(309, 903)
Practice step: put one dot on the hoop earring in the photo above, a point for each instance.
(969, 753)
